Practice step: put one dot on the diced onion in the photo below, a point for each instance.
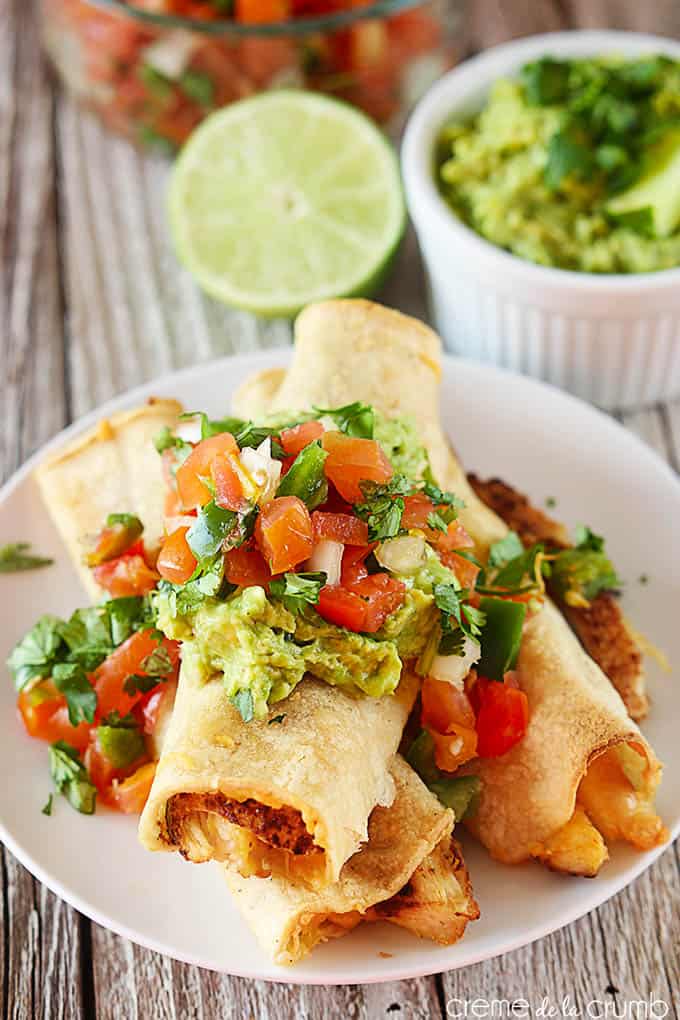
(452, 669)
(328, 423)
(171, 53)
(402, 555)
(178, 521)
(263, 470)
(189, 431)
(327, 556)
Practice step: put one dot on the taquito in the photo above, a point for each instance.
(358, 349)
(410, 873)
(109, 469)
(285, 796)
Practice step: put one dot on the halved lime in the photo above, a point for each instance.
(286, 198)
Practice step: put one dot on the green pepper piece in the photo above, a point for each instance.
(460, 793)
(120, 744)
(501, 636)
(421, 758)
(120, 532)
(305, 477)
(212, 526)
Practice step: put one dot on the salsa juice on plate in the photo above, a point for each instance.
(575, 165)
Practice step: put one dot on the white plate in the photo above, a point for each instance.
(546, 443)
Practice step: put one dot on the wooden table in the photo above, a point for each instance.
(91, 303)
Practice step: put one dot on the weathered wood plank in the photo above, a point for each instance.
(493, 21)
(662, 17)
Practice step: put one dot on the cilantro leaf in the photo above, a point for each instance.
(71, 680)
(546, 81)
(214, 427)
(47, 809)
(167, 440)
(439, 520)
(70, 777)
(439, 496)
(243, 701)
(135, 683)
(276, 719)
(253, 435)
(458, 618)
(355, 419)
(199, 87)
(383, 507)
(568, 156)
(506, 549)
(585, 539)
(158, 663)
(37, 651)
(298, 590)
(17, 557)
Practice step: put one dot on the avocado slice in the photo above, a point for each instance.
(654, 199)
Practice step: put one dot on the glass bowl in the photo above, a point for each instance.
(154, 76)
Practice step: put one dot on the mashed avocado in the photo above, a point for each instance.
(575, 165)
(256, 645)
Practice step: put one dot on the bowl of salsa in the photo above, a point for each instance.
(153, 69)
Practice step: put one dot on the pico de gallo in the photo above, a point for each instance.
(321, 544)
(155, 83)
(315, 543)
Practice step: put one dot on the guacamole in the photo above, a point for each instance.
(575, 165)
(254, 644)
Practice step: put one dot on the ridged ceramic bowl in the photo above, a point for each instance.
(611, 339)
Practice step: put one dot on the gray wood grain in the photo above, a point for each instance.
(92, 302)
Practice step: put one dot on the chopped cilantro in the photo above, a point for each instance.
(460, 793)
(158, 663)
(37, 652)
(458, 618)
(585, 539)
(167, 440)
(71, 680)
(383, 507)
(551, 502)
(214, 427)
(47, 808)
(546, 81)
(17, 557)
(253, 435)
(439, 496)
(439, 520)
(199, 87)
(643, 579)
(298, 590)
(355, 419)
(70, 777)
(137, 684)
(276, 719)
(243, 701)
(508, 548)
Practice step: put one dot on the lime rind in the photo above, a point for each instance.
(287, 198)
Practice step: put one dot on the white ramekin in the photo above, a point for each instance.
(613, 340)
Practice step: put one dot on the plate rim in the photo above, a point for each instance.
(267, 358)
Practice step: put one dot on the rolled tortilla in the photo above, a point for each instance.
(107, 470)
(363, 351)
(285, 796)
(410, 873)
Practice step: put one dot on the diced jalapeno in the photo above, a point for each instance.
(501, 636)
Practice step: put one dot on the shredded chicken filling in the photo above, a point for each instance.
(281, 828)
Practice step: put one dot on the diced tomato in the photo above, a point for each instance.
(245, 566)
(102, 773)
(456, 537)
(448, 714)
(284, 533)
(176, 562)
(383, 595)
(126, 660)
(351, 461)
(294, 440)
(172, 506)
(114, 540)
(129, 574)
(502, 718)
(365, 606)
(451, 750)
(340, 606)
(148, 708)
(417, 509)
(345, 528)
(131, 794)
(228, 488)
(260, 12)
(445, 706)
(354, 565)
(47, 719)
(198, 466)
